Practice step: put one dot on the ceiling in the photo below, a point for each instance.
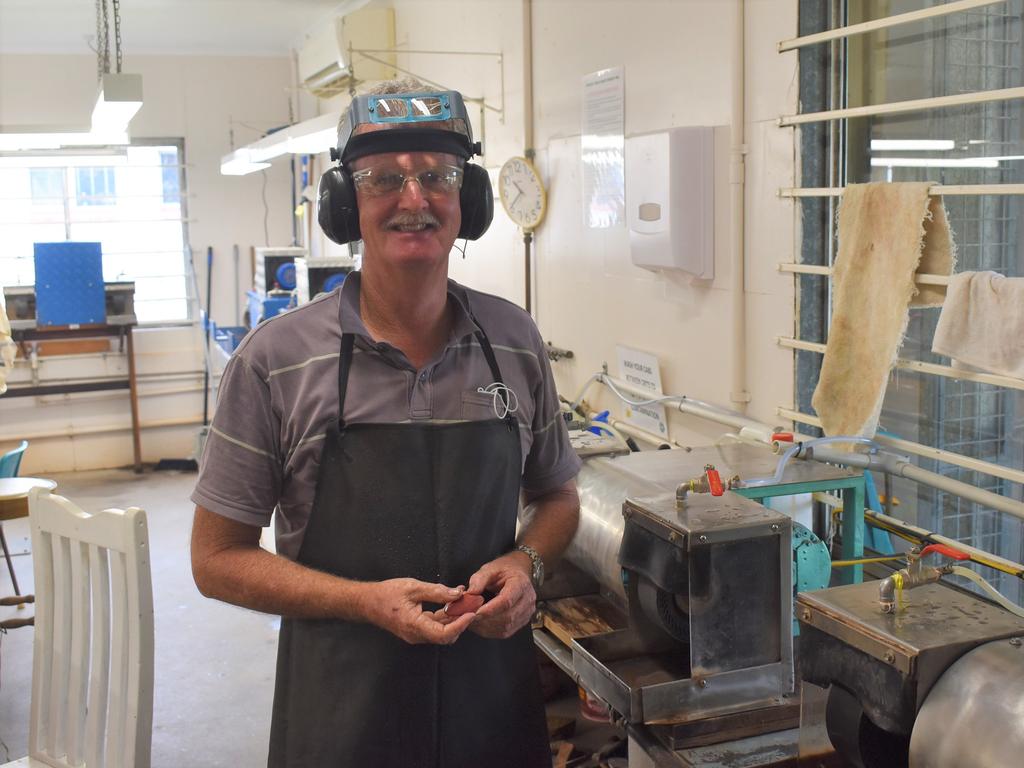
(219, 27)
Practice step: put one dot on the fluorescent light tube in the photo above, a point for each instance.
(25, 140)
(239, 163)
(119, 99)
(912, 145)
(934, 162)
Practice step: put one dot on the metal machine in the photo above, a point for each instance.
(320, 275)
(704, 581)
(933, 680)
(119, 301)
(273, 282)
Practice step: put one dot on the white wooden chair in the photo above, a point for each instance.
(92, 657)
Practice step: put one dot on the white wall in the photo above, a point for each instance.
(190, 97)
(677, 58)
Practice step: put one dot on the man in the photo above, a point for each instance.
(393, 423)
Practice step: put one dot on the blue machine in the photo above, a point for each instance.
(69, 284)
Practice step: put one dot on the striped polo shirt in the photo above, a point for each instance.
(279, 393)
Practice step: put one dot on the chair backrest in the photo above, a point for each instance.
(11, 461)
(92, 658)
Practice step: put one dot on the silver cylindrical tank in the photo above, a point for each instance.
(974, 715)
(604, 483)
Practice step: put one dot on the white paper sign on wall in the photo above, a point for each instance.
(641, 370)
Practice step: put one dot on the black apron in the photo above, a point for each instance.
(433, 502)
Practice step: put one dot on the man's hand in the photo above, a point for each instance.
(396, 605)
(513, 605)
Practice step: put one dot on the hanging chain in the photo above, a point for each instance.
(117, 33)
(106, 38)
(99, 42)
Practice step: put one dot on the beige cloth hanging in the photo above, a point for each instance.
(982, 323)
(887, 233)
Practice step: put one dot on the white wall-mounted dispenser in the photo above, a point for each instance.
(670, 200)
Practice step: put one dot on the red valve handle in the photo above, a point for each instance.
(782, 437)
(946, 550)
(715, 482)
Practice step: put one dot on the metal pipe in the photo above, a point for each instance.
(913, 365)
(110, 428)
(902, 107)
(737, 186)
(897, 465)
(747, 427)
(883, 23)
(943, 190)
(927, 451)
(919, 535)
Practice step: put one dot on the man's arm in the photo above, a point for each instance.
(552, 526)
(228, 564)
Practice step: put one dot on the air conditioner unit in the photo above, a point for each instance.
(323, 63)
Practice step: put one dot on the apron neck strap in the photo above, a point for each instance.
(344, 364)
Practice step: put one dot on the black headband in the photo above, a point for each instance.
(407, 140)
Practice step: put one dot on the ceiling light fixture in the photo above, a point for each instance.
(239, 163)
(309, 137)
(119, 99)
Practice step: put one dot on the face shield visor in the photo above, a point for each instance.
(427, 122)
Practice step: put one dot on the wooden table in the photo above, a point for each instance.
(14, 493)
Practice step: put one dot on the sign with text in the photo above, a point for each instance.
(641, 370)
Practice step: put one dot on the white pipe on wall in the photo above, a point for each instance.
(738, 393)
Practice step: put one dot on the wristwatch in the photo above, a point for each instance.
(537, 565)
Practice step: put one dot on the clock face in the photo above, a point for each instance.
(522, 192)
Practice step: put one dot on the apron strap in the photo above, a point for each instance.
(492, 363)
(344, 365)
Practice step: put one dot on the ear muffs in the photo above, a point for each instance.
(339, 216)
(336, 206)
(476, 200)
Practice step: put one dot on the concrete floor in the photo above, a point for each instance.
(214, 675)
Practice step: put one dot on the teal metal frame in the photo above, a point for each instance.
(853, 513)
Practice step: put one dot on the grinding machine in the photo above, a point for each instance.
(703, 580)
(927, 676)
(697, 645)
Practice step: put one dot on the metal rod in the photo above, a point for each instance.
(937, 189)
(814, 269)
(365, 51)
(919, 535)
(887, 462)
(885, 23)
(925, 451)
(918, 366)
(639, 433)
(899, 107)
(65, 433)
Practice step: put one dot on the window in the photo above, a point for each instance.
(47, 185)
(976, 50)
(95, 186)
(123, 200)
(172, 183)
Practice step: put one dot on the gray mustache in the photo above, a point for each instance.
(412, 220)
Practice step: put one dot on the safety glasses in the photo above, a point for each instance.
(438, 181)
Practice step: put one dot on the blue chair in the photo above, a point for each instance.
(9, 464)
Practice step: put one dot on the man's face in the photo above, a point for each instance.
(411, 225)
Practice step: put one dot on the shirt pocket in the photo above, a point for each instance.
(477, 406)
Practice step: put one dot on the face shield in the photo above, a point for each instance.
(428, 122)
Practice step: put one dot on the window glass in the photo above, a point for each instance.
(125, 201)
